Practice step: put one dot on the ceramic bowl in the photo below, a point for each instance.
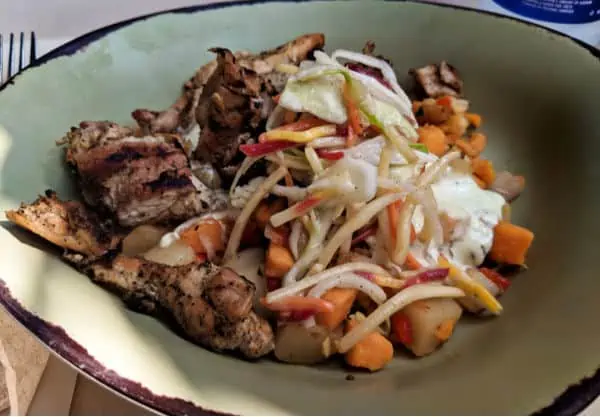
(539, 93)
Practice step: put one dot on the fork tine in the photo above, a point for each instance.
(1, 59)
(21, 50)
(11, 41)
(32, 56)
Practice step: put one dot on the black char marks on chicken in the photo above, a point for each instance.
(237, 99)
(437, 80)
(137, 179)
(180, 116)
(67, 224)
(212, 305)
(230, 108)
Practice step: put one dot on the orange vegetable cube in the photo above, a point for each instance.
(208, 232)
(478, 142)
(278, 262)
(342, 300)
(484, 169)
(466, 148)
(434, 138)
(474, 119)
(511, 243)
(373, 352)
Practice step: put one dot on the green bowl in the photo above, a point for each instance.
(539, 93)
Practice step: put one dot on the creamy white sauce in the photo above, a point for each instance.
(461, 198)
(478, 212)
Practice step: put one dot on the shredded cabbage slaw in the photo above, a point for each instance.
(371, 189)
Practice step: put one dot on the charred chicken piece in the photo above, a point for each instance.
(212, 305)
(237, 100)
(229, 99)
(138, 179)
(230, 108)
(180, 117)
(439, 80)
(67, 224)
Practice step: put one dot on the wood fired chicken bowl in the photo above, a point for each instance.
(537, 92)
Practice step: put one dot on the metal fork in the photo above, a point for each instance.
(11, 69)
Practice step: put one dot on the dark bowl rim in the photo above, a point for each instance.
(571, 401)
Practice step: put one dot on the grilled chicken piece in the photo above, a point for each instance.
(67, 224)
(138, 179)
(439, 80)
(237, 100)
(212, 305)
(230, 108)
(180, 117)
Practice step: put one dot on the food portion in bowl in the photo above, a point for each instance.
(295, 203)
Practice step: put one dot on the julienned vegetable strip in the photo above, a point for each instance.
(313, 160)
(260, 149)
(394, 304)
(318, 231)
(400, 143)
(299, 137)
(351, 108)
(403, 228)
(330, 155)
(470, 287)
(242, 220)
(299, 126)
(298, 303)
(357, 221)
(364, 233)
(496, 278)
(436, 169)
(312, 280)
(392, 213)
(431, 275)
(411, 262)
(298, 209)
(383, 219)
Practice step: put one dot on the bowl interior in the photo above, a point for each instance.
(538, 94)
